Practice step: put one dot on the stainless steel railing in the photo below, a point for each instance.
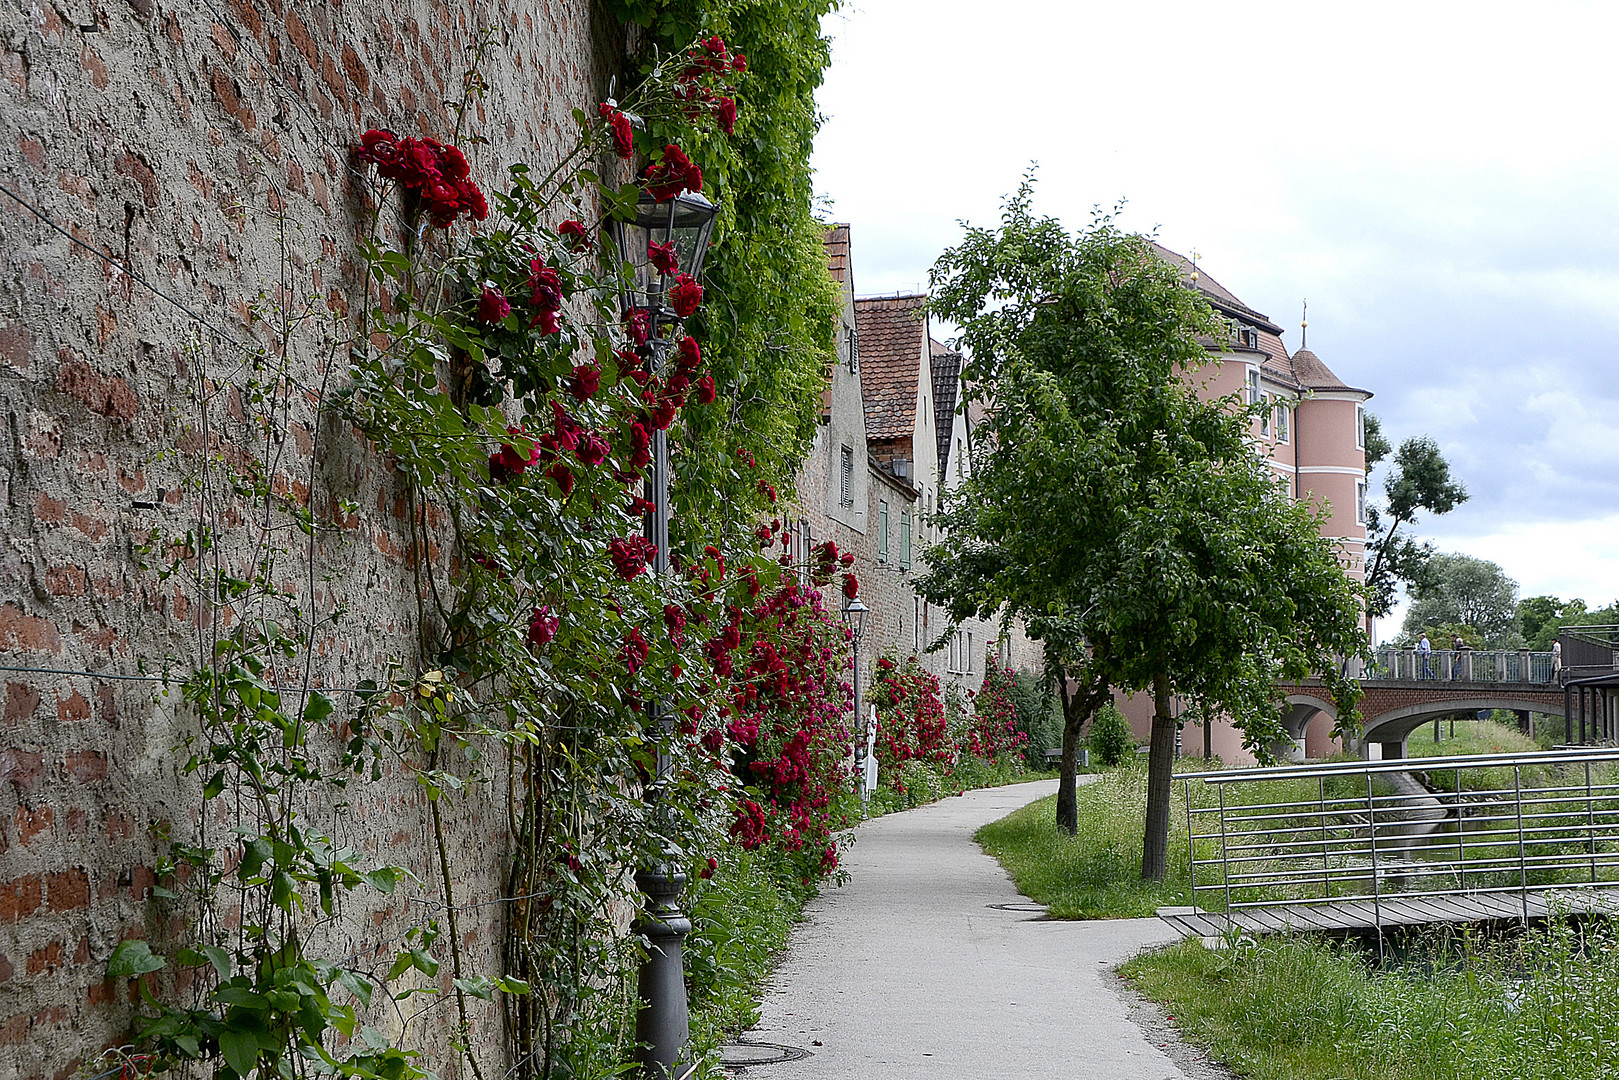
(1461, 665)
(1411, 828)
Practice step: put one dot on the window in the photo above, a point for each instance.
(1282, 419)
(905, 540)
(1264, 417)
(847, 498)
(882, 530)
(1360, 426)
(1253, 386)
(916, 624)
(955, 652)
(1360, 502)
(854, 352)
(969, 658)
(1006, 652)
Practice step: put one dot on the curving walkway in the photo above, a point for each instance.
(911, 971)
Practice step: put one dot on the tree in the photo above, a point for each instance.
(1126, 520)
(1462, 590)
(1419, 479)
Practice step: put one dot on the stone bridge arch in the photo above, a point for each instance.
(1392, 727)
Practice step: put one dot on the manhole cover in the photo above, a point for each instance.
(739, 1055)
(1035, 909)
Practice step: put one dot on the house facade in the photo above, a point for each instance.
(891, 441)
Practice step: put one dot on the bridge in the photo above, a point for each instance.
(1404, 689)
(1366, 846)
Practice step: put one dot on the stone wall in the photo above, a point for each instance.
(199, 151)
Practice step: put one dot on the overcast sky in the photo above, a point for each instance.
(1438, 179)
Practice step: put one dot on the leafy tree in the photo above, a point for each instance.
(1125, 519)
(1541, 617)
(1419, 479)
(1465, 591)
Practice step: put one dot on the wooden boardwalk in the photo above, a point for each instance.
(1353, 916)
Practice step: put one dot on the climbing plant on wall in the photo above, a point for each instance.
(494, 374)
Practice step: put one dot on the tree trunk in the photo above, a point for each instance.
(1067, 780)
(1160, 774)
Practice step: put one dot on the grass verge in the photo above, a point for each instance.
(1097, 874)
(1534, 1007)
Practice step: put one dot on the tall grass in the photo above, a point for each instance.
(1538, 1007)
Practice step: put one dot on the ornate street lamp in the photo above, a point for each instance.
(685, 221)
(854, 617)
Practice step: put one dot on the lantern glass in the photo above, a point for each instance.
(686, 221)
(854, 614)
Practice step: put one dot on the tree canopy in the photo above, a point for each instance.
(1126, 519)
(1418, 479)
(1460, 590)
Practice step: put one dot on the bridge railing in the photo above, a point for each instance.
(1507, 824)
(1461, 665)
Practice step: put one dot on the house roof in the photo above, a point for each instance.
(946, 377)
(892, 334)
(836, 244)
(1312, 374)
(1222, 298)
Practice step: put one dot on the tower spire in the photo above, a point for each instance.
(1304, 324)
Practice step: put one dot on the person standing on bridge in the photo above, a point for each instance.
(1557, 661)
(1425, 650)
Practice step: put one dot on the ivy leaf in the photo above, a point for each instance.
(357, 985)
(214, 786)
(509, 985)
(131, 958)
(241, 1049)
(318, 708)
(479, 986)
(383, 879)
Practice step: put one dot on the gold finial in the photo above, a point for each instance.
(1304, 324)
(1194, 266)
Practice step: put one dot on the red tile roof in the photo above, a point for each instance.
(1314, 375)
(892, 334)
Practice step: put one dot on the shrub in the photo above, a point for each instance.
(1039, 716)
(993, 729)
(1110, 735)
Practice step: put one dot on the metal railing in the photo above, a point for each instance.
(1381, 831)
(1461, 665)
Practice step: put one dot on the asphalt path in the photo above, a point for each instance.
(912, 970)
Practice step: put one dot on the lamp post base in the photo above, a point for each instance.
(662, 1026)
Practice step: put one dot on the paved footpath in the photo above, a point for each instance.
(910, 970)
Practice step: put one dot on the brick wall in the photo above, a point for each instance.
(202, 148)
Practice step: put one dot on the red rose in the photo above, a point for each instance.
(637, 323)
(563, 476)
(690, 356)
(574, 233)
(618, 126)
(635, 650)
(546, 286)
(493, 305)
(705, 390)
(630, 556)
(685, 296)
(725, 115)
(674, 174)
(639, 507)
(663, 414)
(739, 62)
(547, 322)
(585, 382)
(851, 586)
(663, 257)
(378, 146)
(592, 449)
(542, 626)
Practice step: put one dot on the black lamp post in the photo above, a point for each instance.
(854, 617)
(685, 221)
